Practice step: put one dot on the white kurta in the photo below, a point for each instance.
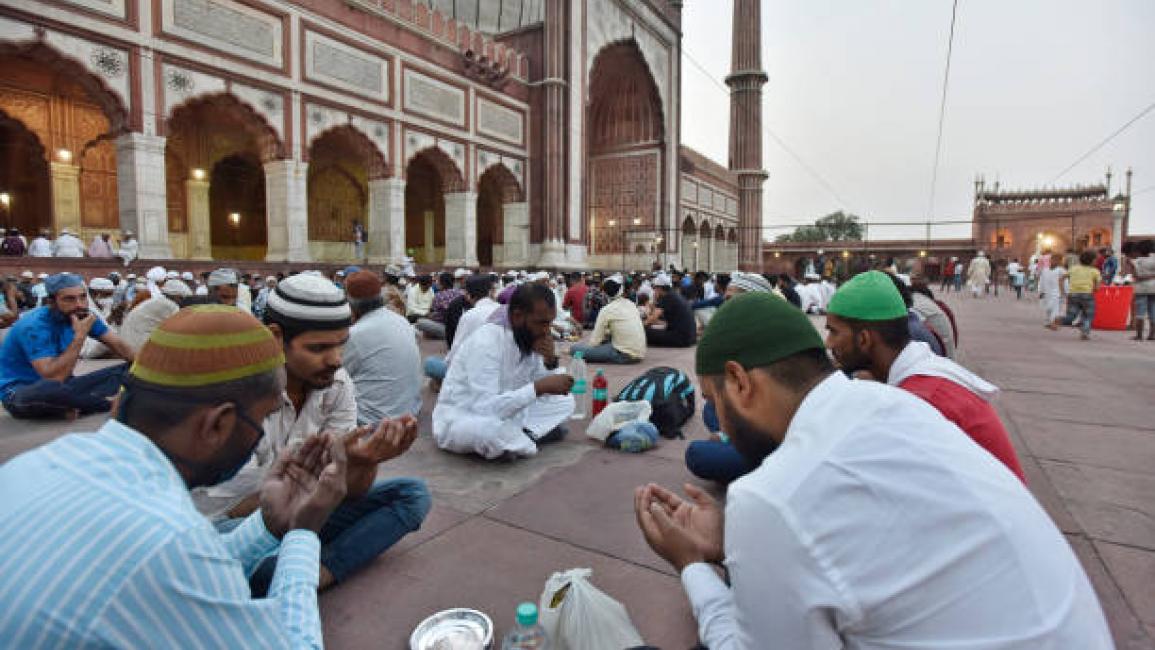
(68, 246)
(889, 529)
(129, 249)
(40, 247)
(487, 399)
(470, 322)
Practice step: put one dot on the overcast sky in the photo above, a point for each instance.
(855, 86)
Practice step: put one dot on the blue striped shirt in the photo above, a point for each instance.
(102, 546)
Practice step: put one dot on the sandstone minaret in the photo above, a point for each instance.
(745, 80)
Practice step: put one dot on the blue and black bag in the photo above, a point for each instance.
(671, 394)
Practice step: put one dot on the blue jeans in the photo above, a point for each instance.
(436, 368)
(358, 530)
(1080, 304)
(714, 460)
(604, 353)
(50, 398)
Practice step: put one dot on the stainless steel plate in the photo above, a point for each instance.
(453, 629)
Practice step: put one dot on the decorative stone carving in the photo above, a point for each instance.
(89, 55)
(433, 98)
(500, 122)
(346, 67)
(377, 132)
(416, 141)
(180, 82)
(267, 104)
(227, 26)
(111, 63)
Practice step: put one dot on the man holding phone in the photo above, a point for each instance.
(39, 355)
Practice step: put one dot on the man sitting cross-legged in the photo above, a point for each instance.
(102, 547)
(875, 523)
(501, 396)
(310, 317)
(39, 355)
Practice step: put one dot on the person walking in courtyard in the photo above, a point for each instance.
(358, 241)
(1051, 289)
(1083, 281)
(1144, 266)
(979, 274)
(888, 529)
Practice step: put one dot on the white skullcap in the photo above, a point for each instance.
(202, 290)
(270, 277)
(461, 273)
(221, 277)
(750, 282)
(309, 302)
(42, 276)
(175, 288)
(661, 280)
(27, 275)
(101, 284)
(131, 276)
(156, 274)
(187, 275)
(172, 275)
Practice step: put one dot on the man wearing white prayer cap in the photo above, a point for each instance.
(222, 286)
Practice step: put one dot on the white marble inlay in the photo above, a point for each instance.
(499, 122)
(434, 98)
(345, 67)
(228, 26)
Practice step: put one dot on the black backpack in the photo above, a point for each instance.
(671, 394)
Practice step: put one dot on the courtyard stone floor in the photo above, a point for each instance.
(1082, 416)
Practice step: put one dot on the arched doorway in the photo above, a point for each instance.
(24, 182)
(214, 166)
(342, 161)
(625, 147)
(496, 188)
(689, 252)
(237, 208)
(57, 157)
(428, 177)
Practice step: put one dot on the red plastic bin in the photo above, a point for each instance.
(1112, 308)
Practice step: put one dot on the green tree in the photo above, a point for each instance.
(836, 226)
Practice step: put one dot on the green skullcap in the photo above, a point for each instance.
(754, 330)
(869, 296)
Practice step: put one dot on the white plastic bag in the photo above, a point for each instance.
(617, 415)
(576, 615)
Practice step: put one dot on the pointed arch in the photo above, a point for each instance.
(452, 178)
(44, 54)
(624, 104)
(511, 190)
(358, 142)
(227, 106)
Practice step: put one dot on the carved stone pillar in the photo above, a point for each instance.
(515, 234)
(200, 244)
(461, 229)
(386, 220)
(140, 185)
(286, 201)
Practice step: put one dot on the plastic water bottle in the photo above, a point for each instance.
(601, 392)
(528, 635)
(581, 388)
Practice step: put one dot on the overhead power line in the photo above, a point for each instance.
(942, 111)
(777, 139)
(1114, 134)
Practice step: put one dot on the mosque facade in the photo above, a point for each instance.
(491, 133)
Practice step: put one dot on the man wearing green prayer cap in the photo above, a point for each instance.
(863, 336)
(874, 524)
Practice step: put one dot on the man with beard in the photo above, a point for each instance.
(875, 524)
(867, 330)
(222, 285)
(501, 397)
(102, 546)
(39, 356)
(310, 317)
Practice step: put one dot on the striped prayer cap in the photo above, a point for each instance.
(308, 302)
(205, 345)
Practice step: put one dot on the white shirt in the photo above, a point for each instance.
(144, 318)
(331, 410)
(890, 529)
(384, 363)
(244, 297)
(417, 301)
(68, 246)
(1049, 281)
(488, 398)
(40, 247)
(471, 321)
(810, 297)
(129, 249)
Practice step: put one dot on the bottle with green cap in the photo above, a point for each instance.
(580, 390)
(528, 635)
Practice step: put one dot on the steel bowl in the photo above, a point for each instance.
(453, 629)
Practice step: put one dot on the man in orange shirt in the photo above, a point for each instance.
(867, 330)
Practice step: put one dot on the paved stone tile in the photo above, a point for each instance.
(491, 567)
(1134, 571)
(590, 504)
(1110, 505)
(1113, 447)
(1127, 630)
(1103, 411)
